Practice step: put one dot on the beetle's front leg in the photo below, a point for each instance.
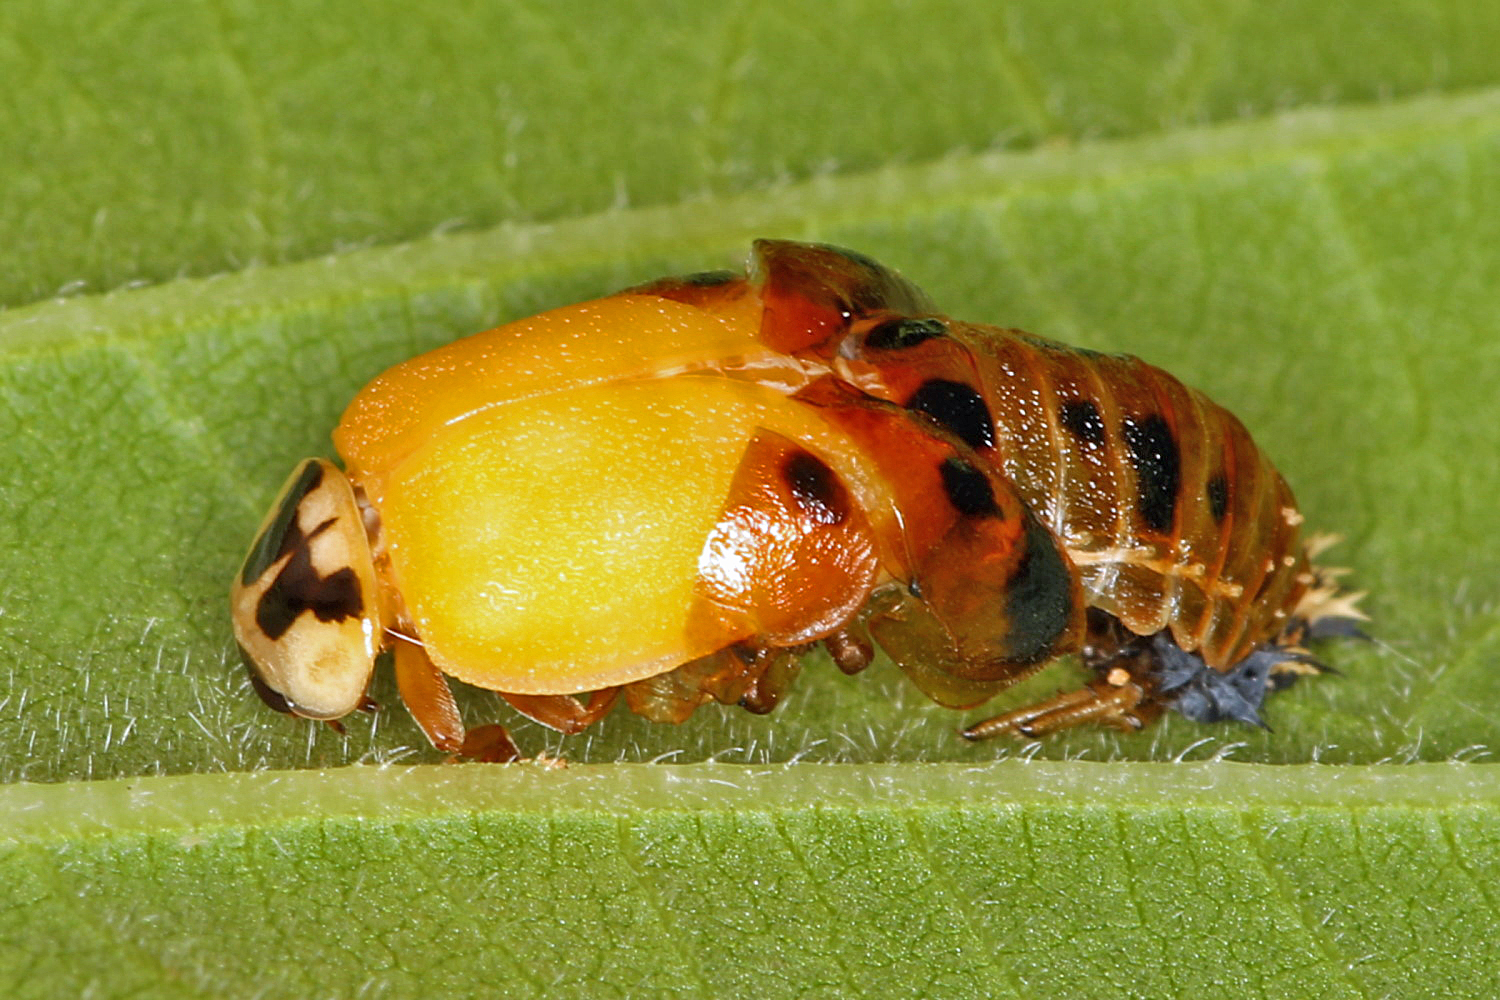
(425, 691)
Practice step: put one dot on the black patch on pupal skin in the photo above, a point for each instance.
(815, 488)
(968, 490)
(899, 334)
(958, 407)
(1218, 496)
(1081, 419)
(1038, 598)
(1158, 470)
(298, 588)
(282, 533)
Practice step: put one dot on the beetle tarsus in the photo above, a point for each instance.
(489, 745)
(850, 651)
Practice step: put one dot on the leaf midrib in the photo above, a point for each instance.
(202, 803)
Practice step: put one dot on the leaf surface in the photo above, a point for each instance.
(1010, 879)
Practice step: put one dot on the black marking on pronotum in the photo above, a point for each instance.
(1082, 420)
(958, 407)
(1153, 452)
(277, 539)
(299, 588)
(1218, 496)
(815, 488)
(1038, 598)
(273, 698)
(709, 279)
(967, 489)
(899, 334)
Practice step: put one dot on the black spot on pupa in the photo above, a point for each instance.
(1082, 420)
(1218, 496)
(708, 279)
(815, 488)
(899, 334)
(282, 533)
(1038, 598)
(298, 588)
(958, 407)
(968, 490)
(1153, 452)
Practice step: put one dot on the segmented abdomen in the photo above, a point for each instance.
(1172, 515)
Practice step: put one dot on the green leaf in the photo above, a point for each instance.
(1121, 178)
(940, 880)
(146, 141)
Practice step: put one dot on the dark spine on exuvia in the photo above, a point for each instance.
(958, 408)
(1158, 470)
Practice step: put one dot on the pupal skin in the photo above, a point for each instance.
(675, 491)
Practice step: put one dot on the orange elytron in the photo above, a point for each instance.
(675, 491)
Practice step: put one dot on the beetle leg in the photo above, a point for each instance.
(723, 676)
(777, 667)
(428, 698)
(1117, 700)
(850, 649)
(489, 744)
(563, 712)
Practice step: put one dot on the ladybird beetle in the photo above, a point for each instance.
(676, 491)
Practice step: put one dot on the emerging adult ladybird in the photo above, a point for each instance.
(677, 490)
